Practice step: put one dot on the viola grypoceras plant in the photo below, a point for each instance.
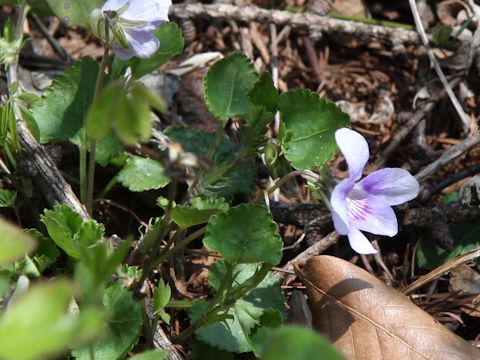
(366, 205)
(131, 24)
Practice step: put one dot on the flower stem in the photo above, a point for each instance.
(93, 142)
(280, 182)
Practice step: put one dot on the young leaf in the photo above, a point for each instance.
(245, 234)
(199, 212)
(14, 243)
(227, 86)
(123, 326)
(264, 93)
(65, 103)
(141, 174)
(39, 326)
(7, 198)
(161, 297)
(74, 12)
(241, 179)
(69, 231)
(240, 331)
(46, 253)
(296, 343)
(310, 123)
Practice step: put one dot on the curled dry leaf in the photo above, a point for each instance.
(368, 320)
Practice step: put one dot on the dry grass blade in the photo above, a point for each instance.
(441, 270)
(368, 320)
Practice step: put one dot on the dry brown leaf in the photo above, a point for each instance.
(368, 320)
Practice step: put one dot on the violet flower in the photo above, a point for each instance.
(366, 205)
(131, 25)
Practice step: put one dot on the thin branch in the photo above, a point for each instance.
(448, 156)
(423, 36)
(317, 25)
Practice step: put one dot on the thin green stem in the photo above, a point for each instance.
(290, 175)
(181, 245)
(82, 149)
(93, 143)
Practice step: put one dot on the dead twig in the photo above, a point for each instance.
(448, 156)
(441, 270)
(423, 36)
(316, 249)
(317, 25)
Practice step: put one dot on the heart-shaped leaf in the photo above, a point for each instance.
(245, 234)
(309, 124)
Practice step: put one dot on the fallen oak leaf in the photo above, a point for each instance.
(368, 320)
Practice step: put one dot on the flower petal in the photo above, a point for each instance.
(113, 5)
(369, 213)
(142, 44)
(147, 10)
(354, 148)
(393, 185)
(339, 205)
(359, 242)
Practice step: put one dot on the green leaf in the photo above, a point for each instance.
(101, 114)
(171, 44)
(297, 343)
(123, 326)
(466, 238)
(65, 103)
(7, 198)
(241, 179)
(245, 234)
(199, 212)
(241, 331)
(46, 253)
(203, 351)
(310, 123)
(161, 296)
(75, 12)
(441, 34)
(227, 86)
(150, 355)
(69, 231)
(38, 325)
(14, 243)
(107, 149)
(141, 174)
(264, 93)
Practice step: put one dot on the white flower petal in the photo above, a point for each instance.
(142, 44)
(371, 214)
(354, 148)
(359, 242)
(339, 205)
(393, 185)
(113, 5)
(147, 10)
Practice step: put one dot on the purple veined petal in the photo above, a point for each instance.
(113, 5)
(148, 10)
(369, 213)
(359, 242)
(393, 185)
(355, 150)
(339, 205)
(142, 44)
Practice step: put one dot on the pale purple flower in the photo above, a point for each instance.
(132, 23)
(366, 205)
